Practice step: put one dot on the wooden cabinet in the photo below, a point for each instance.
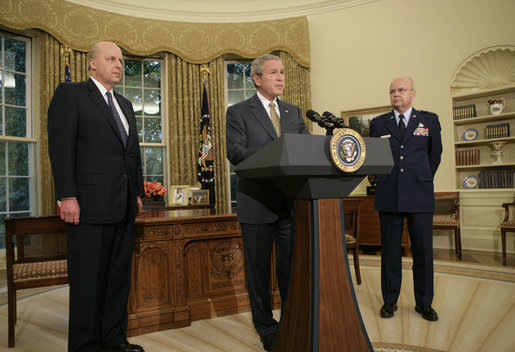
(369, 230)
(187, 265)
(476, 166)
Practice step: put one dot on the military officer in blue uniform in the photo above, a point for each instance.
(407, 193)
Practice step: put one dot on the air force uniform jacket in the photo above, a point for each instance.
(409, 186)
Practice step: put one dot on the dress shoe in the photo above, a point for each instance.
(124, 347)
(387, 310)
(428, 313)
(268, 342)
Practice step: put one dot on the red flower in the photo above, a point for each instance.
(154, 189)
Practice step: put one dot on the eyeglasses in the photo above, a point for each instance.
(400, 90)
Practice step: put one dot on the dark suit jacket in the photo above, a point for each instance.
(89, 160)
(248, 129)
(409, 187)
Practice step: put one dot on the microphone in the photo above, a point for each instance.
(322, 121)
(338, 122)
(313, 115)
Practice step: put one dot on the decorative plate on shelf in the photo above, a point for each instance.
(470, 134)
(471, 182)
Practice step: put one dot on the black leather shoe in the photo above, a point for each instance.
(387, 310)
(428, 313)
(124, 347)
(268, 342)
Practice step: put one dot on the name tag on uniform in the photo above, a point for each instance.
(386, 136)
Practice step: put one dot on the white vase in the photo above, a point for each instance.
(497, 151)
(496, 109)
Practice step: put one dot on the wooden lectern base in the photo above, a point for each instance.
(321, 312)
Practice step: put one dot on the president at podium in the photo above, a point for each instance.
(264, 212)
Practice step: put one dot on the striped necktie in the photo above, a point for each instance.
(117, 118)
(276, 120)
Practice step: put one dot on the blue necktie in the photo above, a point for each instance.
(117, 118)
(402, 125)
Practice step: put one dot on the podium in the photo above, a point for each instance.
(321, 311)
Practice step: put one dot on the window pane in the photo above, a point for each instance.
(249, 92)
(152, 73)
(18, 159)
(235, 74)
(15, 89)
(141, 85)
(135, 97)
(19, 192)
(234, 96)
(15, 122)
(153, 161)
(249, 83)
(154, 178)
(15, 55)
(133, 73)
(16, 181)
(153, 130)
(152, 102)
(3, 192)
(3, 170)
(139, 126)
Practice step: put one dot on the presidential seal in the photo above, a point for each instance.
(348, 150)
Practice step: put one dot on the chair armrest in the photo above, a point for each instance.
(506, 207)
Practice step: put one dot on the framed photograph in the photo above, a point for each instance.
(179, 195)
(192, 189)
(359, 120)
(200, 197)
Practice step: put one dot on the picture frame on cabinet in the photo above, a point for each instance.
(359, 119)
(179, 195)
(200, 197)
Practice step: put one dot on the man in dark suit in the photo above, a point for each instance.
(95, 156)
(407, 193)
(264, 212)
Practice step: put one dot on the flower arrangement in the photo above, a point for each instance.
(154, 190)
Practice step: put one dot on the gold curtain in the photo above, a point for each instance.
(53, 60)
(185, 82)
(298, 88)
(185, 87)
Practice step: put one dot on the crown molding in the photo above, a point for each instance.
(214, 11)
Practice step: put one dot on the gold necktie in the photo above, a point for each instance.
(276, 120)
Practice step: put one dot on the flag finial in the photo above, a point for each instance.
(204, 69)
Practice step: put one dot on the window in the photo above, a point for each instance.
(17, 145)
(239, 83)
(142, 86)
(239, 86)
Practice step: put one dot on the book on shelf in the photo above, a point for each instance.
(464, 111)
(504, 178)
(466, 157)
(499, 130)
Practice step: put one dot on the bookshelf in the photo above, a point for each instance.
(475, 130)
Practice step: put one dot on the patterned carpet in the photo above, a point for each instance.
(476, 305)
